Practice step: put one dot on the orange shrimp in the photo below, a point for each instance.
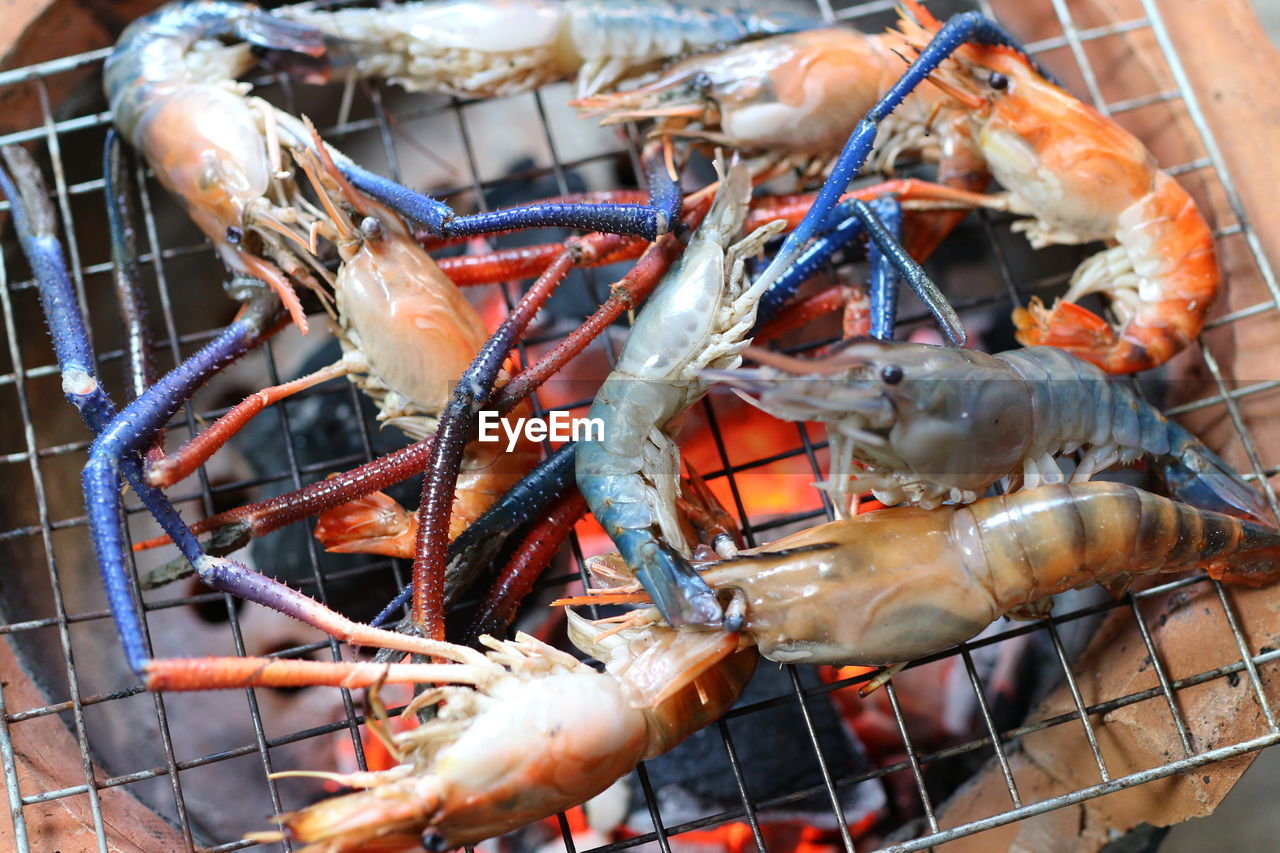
(1084, 178)
(173, 97)
(798, 96)
(537, 732)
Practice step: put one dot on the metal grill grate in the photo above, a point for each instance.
(49, 530)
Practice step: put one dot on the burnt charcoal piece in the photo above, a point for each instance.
(777, 757)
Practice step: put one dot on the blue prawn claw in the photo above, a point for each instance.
(1200, 478)
(679, 592)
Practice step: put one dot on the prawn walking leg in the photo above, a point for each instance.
(183, 462)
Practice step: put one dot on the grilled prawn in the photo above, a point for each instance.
(491, 48)
(406, 330)
(932, 424)
(698, 318)
(537, 732)
(897, 584)
(1081, 177)
(173, 97)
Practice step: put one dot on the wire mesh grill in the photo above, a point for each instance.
(44, 526)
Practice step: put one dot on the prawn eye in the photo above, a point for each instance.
(371, 228)
(234, 235)
(434, 842)
(702, 82)
(891, 374)
(998, 81)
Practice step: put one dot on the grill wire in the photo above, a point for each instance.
(57, 515)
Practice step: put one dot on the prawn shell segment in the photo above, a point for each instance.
(848, 593)
(415, 328)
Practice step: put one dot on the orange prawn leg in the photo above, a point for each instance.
(856, 321)
(222, 673)
(185, 460)
(793, 208)
(803, 312)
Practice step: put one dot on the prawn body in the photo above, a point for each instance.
(796, 97)
(537, 733)
(492, 48)
(406, 330)
(173, 96)
(933, 424)
(698, 318)
(897, 584)
(1081, 177)
(797, 94)
(407, 334)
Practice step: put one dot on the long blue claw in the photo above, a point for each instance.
(649, 221)
(848, 229)
(637, 219)
(416, 207)
(34, 222)
(115, 449)
(884, 276)
(888, 261)
(914, 274)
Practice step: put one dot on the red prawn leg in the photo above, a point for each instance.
(793, 208)
(853, 300)
(196, 451)
(528, 562)
(525, 262)
(802, 313)
(224, 673)
(271, 514)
